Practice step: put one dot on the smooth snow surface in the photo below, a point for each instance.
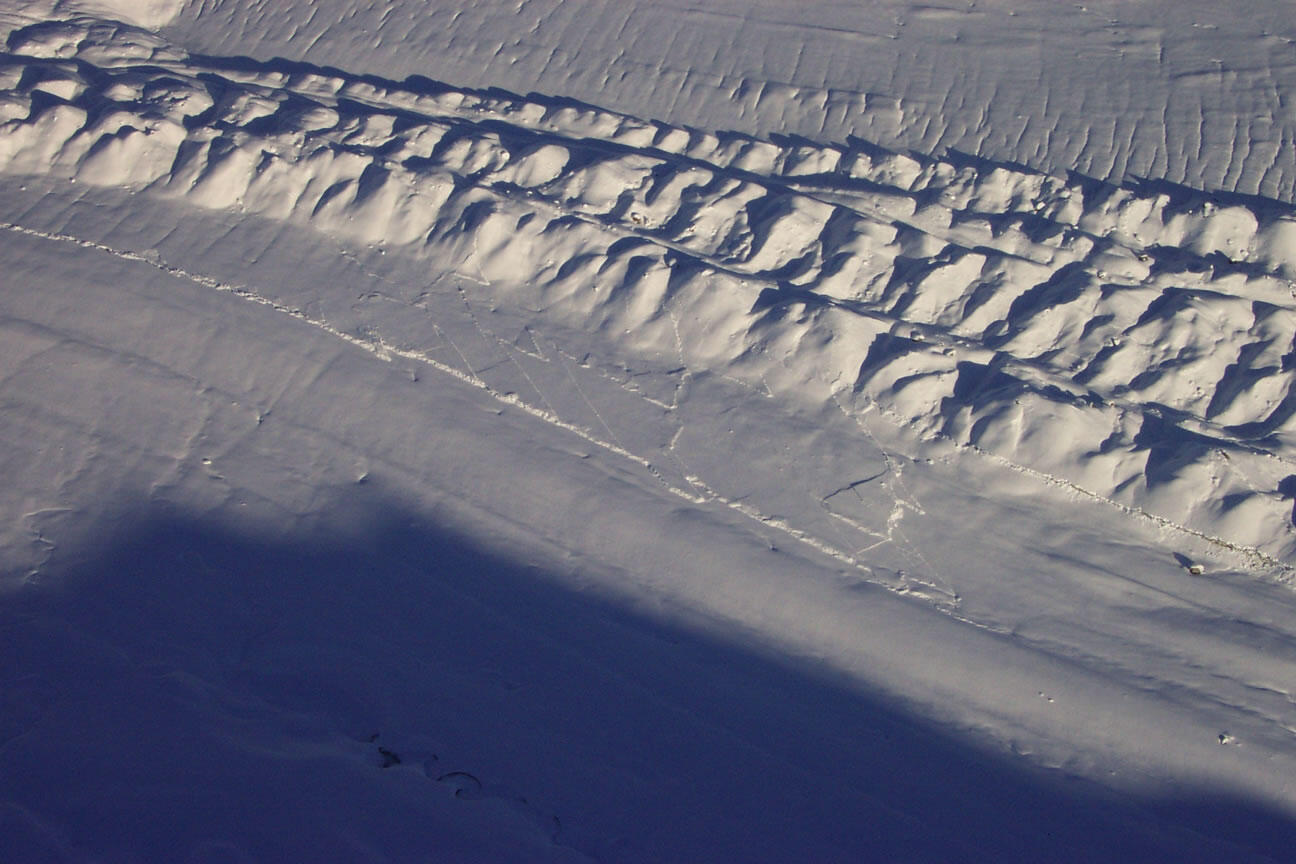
(725, 451)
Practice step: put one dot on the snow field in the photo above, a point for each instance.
(485, 461)
(1080, 331)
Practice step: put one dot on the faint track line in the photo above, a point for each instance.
(387, 352)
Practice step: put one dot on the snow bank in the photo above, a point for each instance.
(1130, 342)
(142, 13)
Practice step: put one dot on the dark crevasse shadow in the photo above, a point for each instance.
(385, 689)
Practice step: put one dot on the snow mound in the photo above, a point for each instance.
(1131, 342)
(142, 13)
(148, 14)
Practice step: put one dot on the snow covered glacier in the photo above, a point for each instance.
(646, 433)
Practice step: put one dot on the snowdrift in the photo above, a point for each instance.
(1131, 342)
(872, 439)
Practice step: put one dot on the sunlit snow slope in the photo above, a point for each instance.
(350, 415)
(1191, 91)
(1134, 342)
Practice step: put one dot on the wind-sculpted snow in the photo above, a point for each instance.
(1132, 342)
(515, 471)
(1188, 91)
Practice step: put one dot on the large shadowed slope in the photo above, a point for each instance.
(385, 690)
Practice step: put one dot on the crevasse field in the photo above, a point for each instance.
(636, 431)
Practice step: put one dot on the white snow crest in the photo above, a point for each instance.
(142, 13)
(1131, 343)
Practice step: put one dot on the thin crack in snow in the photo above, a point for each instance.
(387, 352)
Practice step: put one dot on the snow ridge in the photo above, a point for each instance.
(1112, 89)
(1131, 342)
